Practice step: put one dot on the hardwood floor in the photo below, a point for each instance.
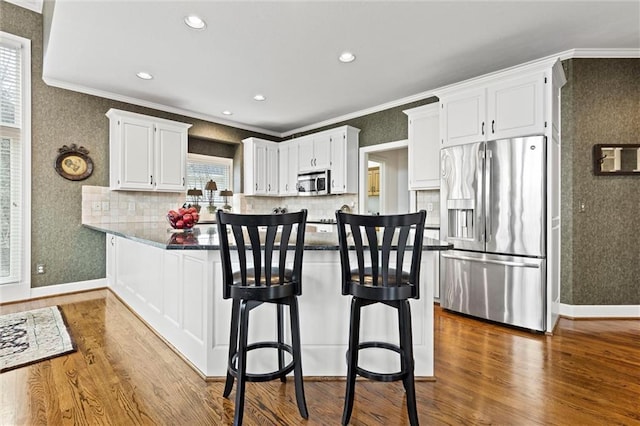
(588, 373)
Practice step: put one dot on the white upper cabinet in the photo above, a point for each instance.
(288, 167)
(343, 143)
(424, 147)
(516, 107)
(260, 167)
(170, 156)
(507, 106)
(146, 153)
(272, 169)
(314, 152)
(463, 117)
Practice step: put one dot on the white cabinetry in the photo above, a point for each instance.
(343, 144)
(424, 147)
(288, 168)
(260, 167)
(314, 152)
(146, 153)
(500, 107)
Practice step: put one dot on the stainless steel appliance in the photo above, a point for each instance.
(313, 183)
(493, 210)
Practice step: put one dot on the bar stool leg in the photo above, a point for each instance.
(279, 314)
(242, 362)
(233, 346)
(406, 343)
(352, 359)
(297, 357)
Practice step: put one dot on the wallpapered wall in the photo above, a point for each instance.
(601, 246)
(600, 251)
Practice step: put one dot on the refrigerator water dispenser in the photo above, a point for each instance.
(460, 218)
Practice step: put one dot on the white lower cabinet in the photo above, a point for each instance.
(179, 294)
(170, 290)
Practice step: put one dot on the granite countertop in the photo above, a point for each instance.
(205, 236)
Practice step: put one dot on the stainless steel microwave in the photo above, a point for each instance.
(313, 183)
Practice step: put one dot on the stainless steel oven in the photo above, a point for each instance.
(313, 183)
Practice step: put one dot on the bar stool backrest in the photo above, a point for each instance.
(374, 239)
(262, 237)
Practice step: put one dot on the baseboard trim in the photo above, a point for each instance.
(60, 289)
(600, 311)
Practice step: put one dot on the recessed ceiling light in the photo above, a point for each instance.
(195, 22)
(227, 112)
(347, 57)
(259, 97)
(144, 75)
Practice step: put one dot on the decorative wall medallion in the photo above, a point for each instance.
(74, 163)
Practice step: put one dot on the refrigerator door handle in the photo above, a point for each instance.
(487, 195)
(495, 262)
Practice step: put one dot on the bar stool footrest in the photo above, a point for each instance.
(381, 377)
(263, 377)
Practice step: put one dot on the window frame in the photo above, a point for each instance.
(211, 159)
(22, 288)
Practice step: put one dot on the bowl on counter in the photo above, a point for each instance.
(183, 218)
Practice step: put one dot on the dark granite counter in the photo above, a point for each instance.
(205, 236)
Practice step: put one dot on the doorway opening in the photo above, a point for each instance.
(383, 180)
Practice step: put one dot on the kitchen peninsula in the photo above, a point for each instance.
(173, 281)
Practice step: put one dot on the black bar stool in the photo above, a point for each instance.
(379, 278)
(259, 280)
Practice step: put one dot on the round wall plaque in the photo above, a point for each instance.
(73, 163)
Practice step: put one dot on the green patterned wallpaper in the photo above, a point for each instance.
(601, 246)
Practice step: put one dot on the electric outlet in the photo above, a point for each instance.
(132, 206)
(40, 268)
(96, 206)
(105, 206)
(429, 207)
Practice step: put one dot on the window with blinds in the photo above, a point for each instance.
(11, 161)
(202, 168)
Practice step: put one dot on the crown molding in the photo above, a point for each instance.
(567, 54)
(134, 101)
(564, 55)
(34, 5)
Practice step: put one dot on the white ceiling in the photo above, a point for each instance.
(287, 50)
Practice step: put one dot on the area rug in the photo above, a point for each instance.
(33, 336)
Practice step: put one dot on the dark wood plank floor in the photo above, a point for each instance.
(588, 373)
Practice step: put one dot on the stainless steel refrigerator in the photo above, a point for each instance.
(493, 210)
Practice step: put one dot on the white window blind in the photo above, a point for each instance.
(202, 168)
(11, 162)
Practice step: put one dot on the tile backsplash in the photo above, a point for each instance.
(102, 205)
(426, 198)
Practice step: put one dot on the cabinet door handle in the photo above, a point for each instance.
(493, 124)
(183, 181)
(269, 188)
(333, 184)
(256, 186)
(151, 179)
(286, 186)
(483, 127)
